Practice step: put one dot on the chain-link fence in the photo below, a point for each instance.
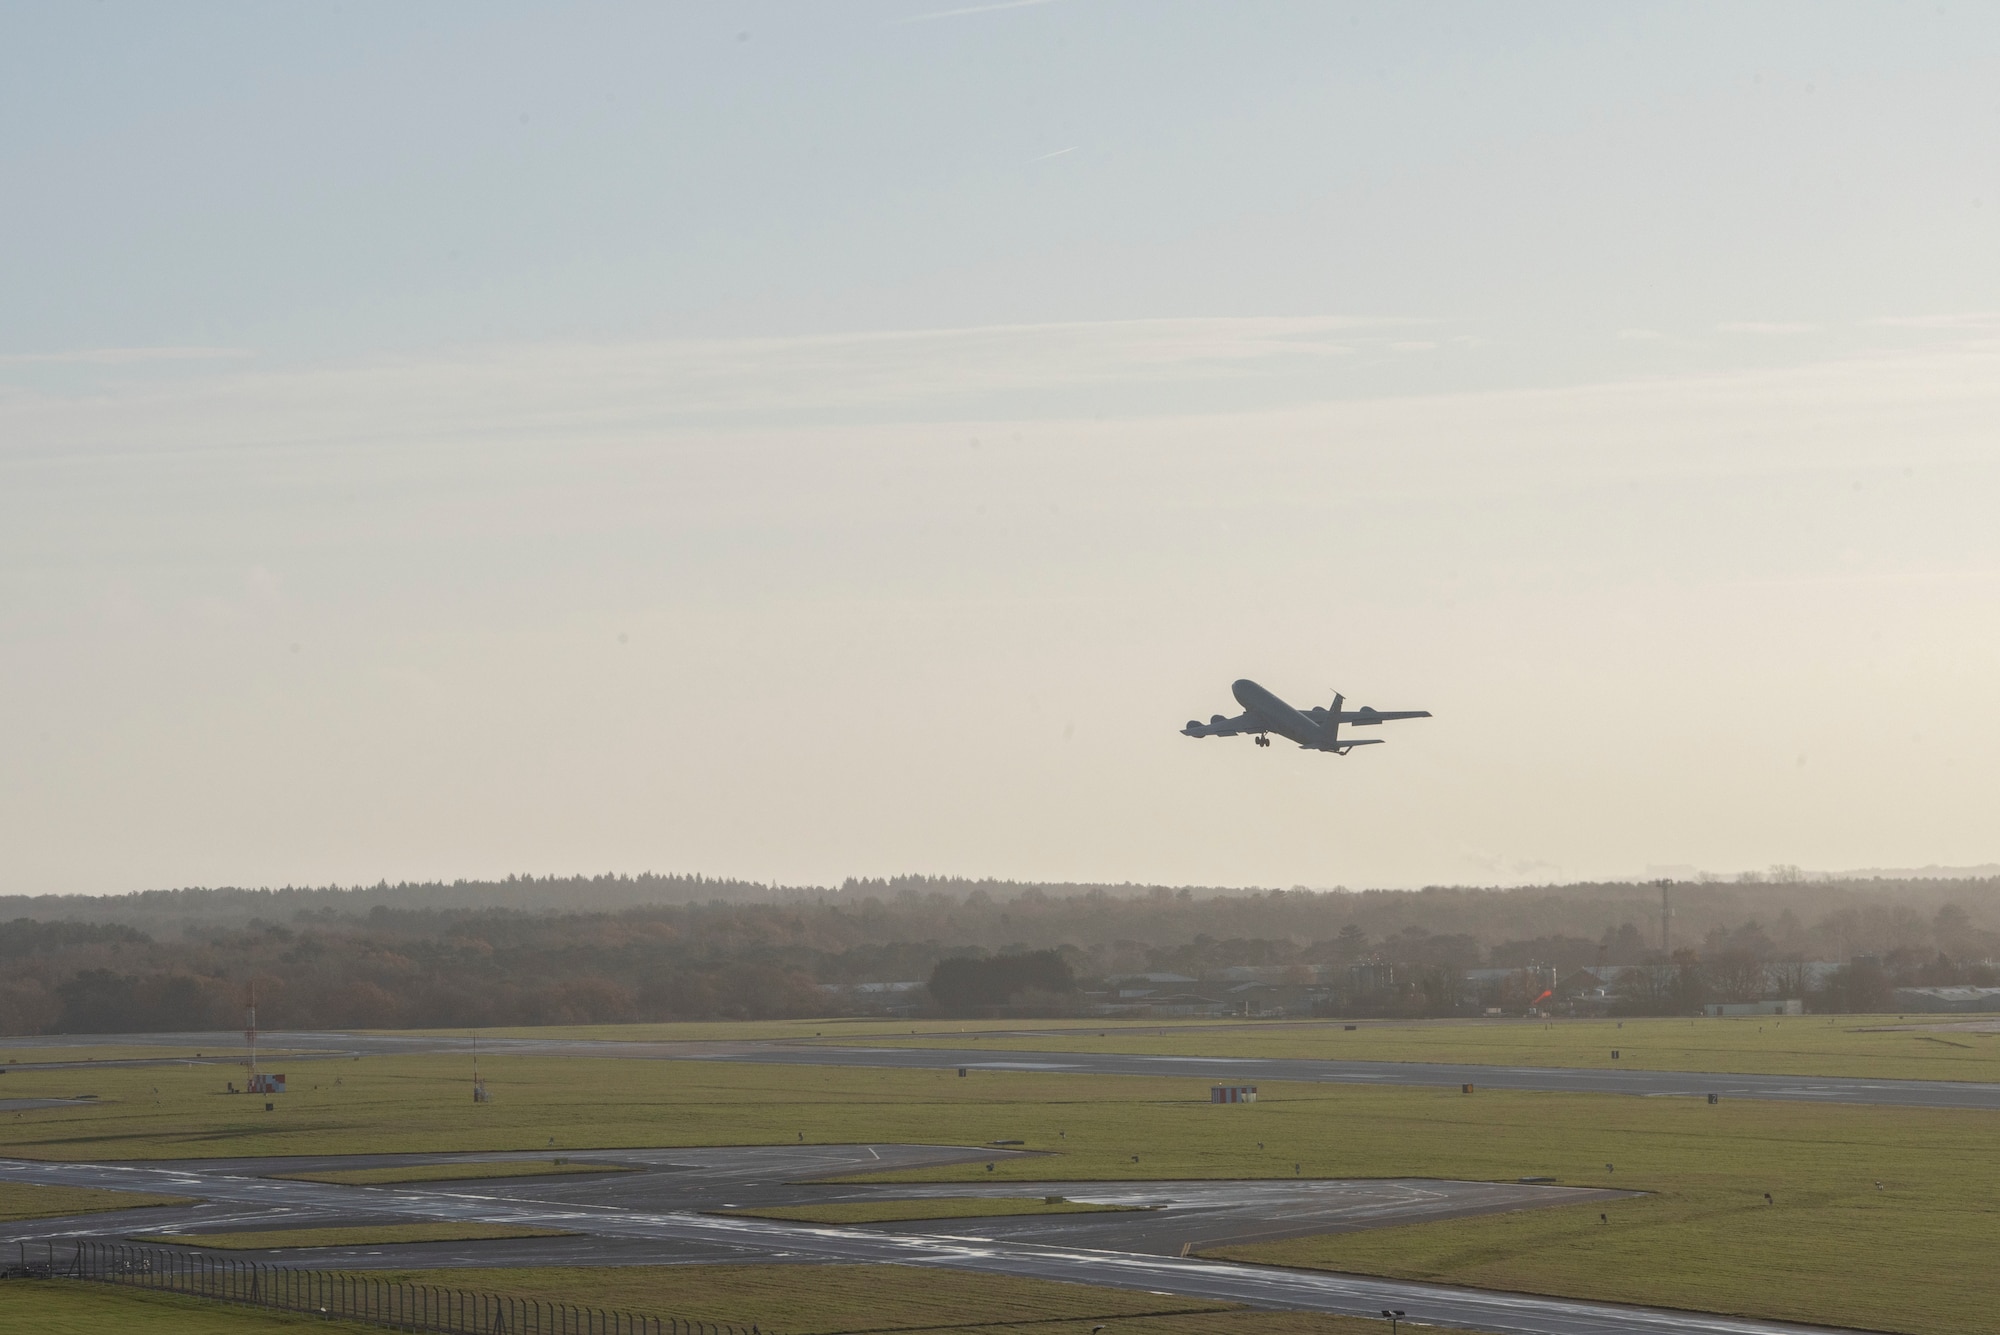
(346, 1295)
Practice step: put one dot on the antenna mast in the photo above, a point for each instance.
(1666, 920)
(250, 1031)
(479, 1094)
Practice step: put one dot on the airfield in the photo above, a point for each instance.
(1572, 1199)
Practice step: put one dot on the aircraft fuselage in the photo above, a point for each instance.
(1275, 715)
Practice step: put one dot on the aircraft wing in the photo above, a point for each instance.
(1219, 726)
(1365, 715)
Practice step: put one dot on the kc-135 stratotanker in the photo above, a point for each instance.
(1314, 729)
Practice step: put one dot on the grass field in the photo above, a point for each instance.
(844, 1299)
(15, 1052)
(477, 1170)
(28, 1200)
(1703, 1238)
(355, 1235)
(935, 1207)
(1769, 1045)
(782, 1299)
(62, 1307)
(729, 1031)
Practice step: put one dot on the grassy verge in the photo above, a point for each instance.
(818, 1300)
(1671, 1251)
(808, 1300)
(28, 1200)
(353, 1235)
(736, 1031)
(63, 1307)
(1703, 1238)
(934, 1207)
(1847, 1046)
(476, 1170)
(14, 1052)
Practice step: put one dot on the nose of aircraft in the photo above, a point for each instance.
(1243, 688)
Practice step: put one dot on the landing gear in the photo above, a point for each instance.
(1263, 740)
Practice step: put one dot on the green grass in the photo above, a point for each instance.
(1671, 1251)
(1759, 1045)
(867, 1299)
(30, 1054)
(934, 1207)
(65, 1307)
(808, 1300)
(825, 1299)
(351, 1235)
(1703, 1238)
(462, 1171)
(29, 1200)
(834, 1029)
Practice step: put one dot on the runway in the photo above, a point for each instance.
(1249, 1070)
(306, 1046)
(650, 1217)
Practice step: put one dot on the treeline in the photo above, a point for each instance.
(394, 970)
(1822, 917)
(358, 958)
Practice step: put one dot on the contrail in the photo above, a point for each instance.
(1058, 153)
(972, 9)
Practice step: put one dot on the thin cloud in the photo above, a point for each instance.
(515, 392)
(1767, 327)
(122, 356)
(1965, 320)
(973, 9)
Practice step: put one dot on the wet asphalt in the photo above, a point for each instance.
(658, 1214)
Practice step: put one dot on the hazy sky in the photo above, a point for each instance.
(794, 441)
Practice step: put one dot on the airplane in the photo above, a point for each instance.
(1314, 729)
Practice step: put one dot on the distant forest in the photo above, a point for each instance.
(601, 949)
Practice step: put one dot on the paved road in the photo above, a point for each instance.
(1160, 1217)
(239, 1198)
(1249, 1070)
(302, 1047)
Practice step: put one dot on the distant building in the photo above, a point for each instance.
(1788, 1006)
(1171, 994)
(1263, 973)
(1150, 980)
(1936, 999)
(1262, 998)
(901, 998)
